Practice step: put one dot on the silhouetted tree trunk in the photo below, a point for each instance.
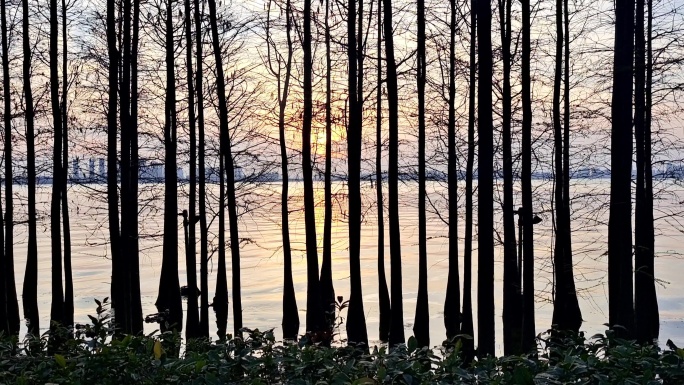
(204, 230)
(135, 312)
(327, 289)
(57, 307)
(566, 312)
(112, 183)
(485, 214)
(396, 335)
(192, 324)
(620, 297)
(512, 317)
(356, 323)
(314, 311)
(421, 326)
(30, 289)
(645, 299)
(226, 154)
(169, 298)
(383, 293)
(290, 313)
(10, 299)
(527, 238)
(221, 292)
(467, 321)
(68, 276)
(452, 301)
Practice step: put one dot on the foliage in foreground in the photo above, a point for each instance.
(94, 357)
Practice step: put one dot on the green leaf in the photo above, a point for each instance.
(60, 360)
(412, 344)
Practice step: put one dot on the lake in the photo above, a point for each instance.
(262, 262)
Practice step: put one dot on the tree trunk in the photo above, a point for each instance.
(169, 298)
(327, 289)
(383, 293)
(452, 302)
(527, 238)
(512, 317)
(204, 230)
(485, 214)
(10, 299)
(30, 289)
(356, 322)
(645, 299)
(226, 154)
(467, 317)
(314, 311)
(68, 275)
(396, 335)
(620, 298)
(112, 182)
(192, 323)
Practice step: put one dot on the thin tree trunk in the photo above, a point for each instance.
(112, 182)
(467, 317)
(169, 298)
(314, 311)
(620, 286)
(421, 326)
(57, 307)
(10, 299)
(356, 323)
(527, 238)
(383, 293)
(192, 323)
(485, 215)
(221, 292)
(226, 154)
(452, 305)
(135, 311)
(645, 299)
(396, 335)
(68, 276)
(327, 289)
(204, 230)
(512, 317)
(30, 289)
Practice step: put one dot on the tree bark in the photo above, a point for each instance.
(396, 335)
(30, 288)
(620, 287)
(485, 214)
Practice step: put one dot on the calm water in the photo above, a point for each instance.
(262, 263)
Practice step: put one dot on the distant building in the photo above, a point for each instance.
(91, 169)
(102, 169)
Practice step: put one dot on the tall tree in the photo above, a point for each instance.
(356, 323)
(10, 289)
(314, 310)
(383, 293)
(204, 229)
(112, 180)
(512, 317)
(421, 325)
(620, 297)
(467, 317)
(192, 324)
(226, 154)
(566, 311)
(485, 214)
(57, 307)
(452, 301)
(169, 299)
(527, 284)
(645, 299)
(396, 335)
(68, 274)
(30, 289)
(290, 313)
(327, 289)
